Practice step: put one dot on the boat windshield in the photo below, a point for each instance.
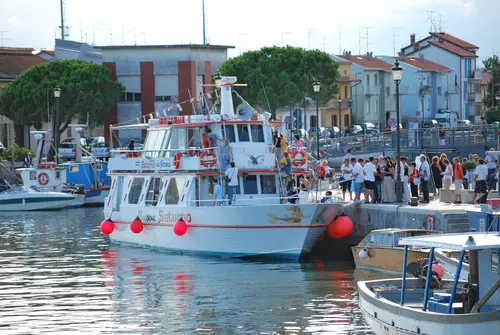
(386, 239)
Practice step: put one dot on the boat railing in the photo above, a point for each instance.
(238, 201)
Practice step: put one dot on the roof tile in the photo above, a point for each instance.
(454, 40)
(368, 62)
(453, 48)
(423, 64)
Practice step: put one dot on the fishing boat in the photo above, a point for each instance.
(86, 175)
(22, 198)
(162, 196)
(429, 305)
(381, 251)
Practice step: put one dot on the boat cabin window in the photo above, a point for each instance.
(228, 132)
(153, 191)
(257, 133)
(32, 175)
(135, 191)
(381, 239)
(250, 184)
(73, 168)
(172, 196)
(178, 141)
(268, 184)
(154, 142)
(243, 135)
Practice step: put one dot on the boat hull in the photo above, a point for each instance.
(95, 197)
(38, 201)
(287, 231)
(386, 317)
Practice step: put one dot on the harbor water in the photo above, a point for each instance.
(59, 274)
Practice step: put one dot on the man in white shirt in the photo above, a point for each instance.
(232, 176)
(358, 177)
(491, 162)
(480, 176)
(369, 170)
(424, 178)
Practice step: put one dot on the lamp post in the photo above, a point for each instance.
(397, 73)
(57, 95)
(339, 100)
(317, 87)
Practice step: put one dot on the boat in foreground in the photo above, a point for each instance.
(429, 305)
(22, 198)
(381, 251)
(174, 177)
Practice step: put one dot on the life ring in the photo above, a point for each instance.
(43, 179)
(303, 158)
(177, 160)
(210, 163)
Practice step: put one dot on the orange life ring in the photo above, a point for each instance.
(177, 160)
(210, 163)
(43, 179)
(302, 155)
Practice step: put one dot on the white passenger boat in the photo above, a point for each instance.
(430, 306)
(172, 179)
(22, 198)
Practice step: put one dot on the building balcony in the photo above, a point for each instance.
(474, 98)
(372, 90)
(344, 104)
(475, 75)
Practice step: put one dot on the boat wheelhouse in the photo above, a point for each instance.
(175, 176)
(428, 305)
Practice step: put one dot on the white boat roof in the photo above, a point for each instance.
(455, 241)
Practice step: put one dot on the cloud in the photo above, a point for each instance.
(15, 21)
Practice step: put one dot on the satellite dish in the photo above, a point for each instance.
(244, 112)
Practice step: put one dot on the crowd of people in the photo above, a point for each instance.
(375, 178)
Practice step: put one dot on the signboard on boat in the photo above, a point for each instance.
(255, 161)
(138, 164)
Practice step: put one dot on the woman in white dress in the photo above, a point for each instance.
(405, 172)
(388, 188)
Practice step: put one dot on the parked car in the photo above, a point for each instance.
(67, 148)
(312, 132)
(369, 128)
(95, 139)
(99, 149)
(464, 124)
(430, 124)
(332, 132)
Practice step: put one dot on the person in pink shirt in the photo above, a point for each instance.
(297, 144)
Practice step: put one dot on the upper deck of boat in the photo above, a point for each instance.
(459, 241)
(400, 230)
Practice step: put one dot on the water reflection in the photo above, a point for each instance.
(59, 274)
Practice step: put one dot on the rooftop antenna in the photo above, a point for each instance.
(63, 27)
(110, 36)
(340, 38)
(432, 21)
(309, 32)
(239, 41)
(324, 44)
(94, 29)
(2, 38)
(367, 43)
(81, 31)
(204, 10)
(441, 27)
(283, 33)
(394, 40)
(144, 36)
(135, 35)
(360, 38)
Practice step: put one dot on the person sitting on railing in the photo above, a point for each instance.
(218, 196)
(226, 154)
(28, 161)
(131, 145)
(327, 198)
(206, 141)
(283, 144)
(287, 164)
(292, 192)
(303, 184)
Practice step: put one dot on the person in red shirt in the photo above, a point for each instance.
(414, 179)
(206, 141)
(458, 174)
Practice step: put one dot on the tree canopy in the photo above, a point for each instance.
(85, 88)
(492, 65)
(279, 77)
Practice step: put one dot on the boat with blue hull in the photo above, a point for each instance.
(86, 175)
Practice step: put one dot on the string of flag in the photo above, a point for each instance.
(164, 113)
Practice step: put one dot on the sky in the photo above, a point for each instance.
(329, 25)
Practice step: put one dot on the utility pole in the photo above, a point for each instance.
(63, 34)
(309, 32)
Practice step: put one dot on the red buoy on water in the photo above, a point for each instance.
(107, 226)
(341, 227)
(136, 226)
(180, 227)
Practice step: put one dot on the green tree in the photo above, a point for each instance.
(279, 77)
(85, 88)
(492, 65)
(492, 114)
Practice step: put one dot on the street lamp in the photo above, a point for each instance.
(317, 87)
(57, 95)
(339, 100)
(397, 74)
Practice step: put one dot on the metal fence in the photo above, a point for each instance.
(411, 139)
